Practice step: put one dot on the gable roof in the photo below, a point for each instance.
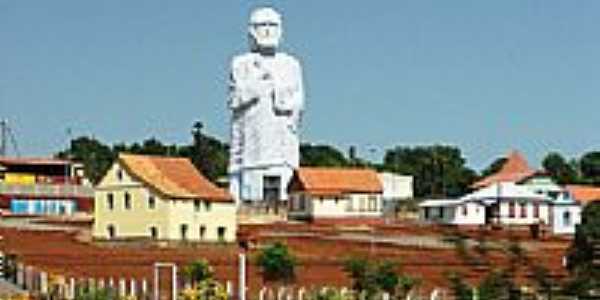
(335, 181)
(173, 177)
(515, 169)
(585, 194)
(505, 190)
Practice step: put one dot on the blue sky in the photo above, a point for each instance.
(487, 76)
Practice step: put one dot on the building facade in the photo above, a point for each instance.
(43, 186)
(161, 198)
(335, 193)
(515, 195)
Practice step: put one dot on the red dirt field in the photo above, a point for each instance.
(320, 258)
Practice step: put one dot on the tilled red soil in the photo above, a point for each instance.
(320, 260)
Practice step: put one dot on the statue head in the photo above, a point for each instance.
(264, 29)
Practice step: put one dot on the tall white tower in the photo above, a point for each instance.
(266, 99)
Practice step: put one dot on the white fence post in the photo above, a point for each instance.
(144, 287)
(20, 275)
(261, 294)
(301, 293)
(71, 288)
(133, 288)
(43, 283)
(122, 287)
(229, 289)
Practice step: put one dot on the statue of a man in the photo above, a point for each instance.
(266, 100)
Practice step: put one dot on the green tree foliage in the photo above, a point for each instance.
(96, 294)
(460, 289)
(277, 263)
(494, 167)
(496, 285)
(590, 167)
(560, 170)
(439, 171)
(321, 156)
(370, 277)
(584, 250)
(207, 153)
(95, 156)
(198, 271)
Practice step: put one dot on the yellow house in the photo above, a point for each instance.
(162, 198)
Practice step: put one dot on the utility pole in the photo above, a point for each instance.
(3, 137)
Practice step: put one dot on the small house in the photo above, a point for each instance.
(161, 198)
(335, 193)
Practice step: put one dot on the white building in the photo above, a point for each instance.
(335, 193)
(516, 195)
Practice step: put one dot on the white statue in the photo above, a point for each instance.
(266, 100)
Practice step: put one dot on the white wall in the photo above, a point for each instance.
(396, 186)
(505, 217)
(562, 225)
(352, 205)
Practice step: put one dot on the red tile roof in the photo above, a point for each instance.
(515, 169)
(335, 181)
(173, 177)
(585, 194)
(8, 161)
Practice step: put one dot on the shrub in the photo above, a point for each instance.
(277, 263)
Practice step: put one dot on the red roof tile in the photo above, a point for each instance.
(515, 169)
(584, 193)
(173, 177)
(7, 161)
(335, 181)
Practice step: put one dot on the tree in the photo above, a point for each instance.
(583, 252)
(321, 156)
(208, 154)
(438, 170)
(494, 167)
(96, 157)
(460, 289)
(369, 277)
(560, 170)
(277, 263)
(590, 167)
(496, 285)
(198, 271)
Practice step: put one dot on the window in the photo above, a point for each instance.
(112, 232)
(536, 210)
(372, 203)
(127, 201)
(272, 188)
(154, 232)
(511, 209)
(465, 210)
(567, 218)
(523, 210)
(184, 231)
(221, 233)
(110, 201)
(119, 174)
(362, 204)
(207, 206)
(196, 205)
(151, 202)
(302, 202)
(202, 232)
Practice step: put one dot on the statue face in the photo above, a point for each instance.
(265, 28)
